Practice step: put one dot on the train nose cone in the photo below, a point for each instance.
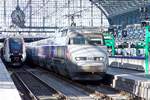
(89, 58)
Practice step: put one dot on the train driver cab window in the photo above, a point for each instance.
(77, 40)
(96, 41)
(15, 44)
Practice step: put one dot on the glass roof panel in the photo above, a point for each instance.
(115, 7)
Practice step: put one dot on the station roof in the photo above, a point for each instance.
(116, 7)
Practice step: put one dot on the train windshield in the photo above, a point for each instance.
(15, 45)
(96, 41)
(78, 40)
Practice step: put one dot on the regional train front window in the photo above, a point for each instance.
(15, 44)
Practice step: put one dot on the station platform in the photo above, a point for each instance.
(134, 82)
(134, 63)
(8, 91)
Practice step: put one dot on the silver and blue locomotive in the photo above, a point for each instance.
(70, 54)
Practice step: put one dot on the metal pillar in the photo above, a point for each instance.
(43, 14)
(56, 11)
(91, 14)
(101, 18)
(17, 2)
(30, 12)
(147, 41)
(102, 21)
(113, 45)
(5, 12)
(68, 12)
(81, 12)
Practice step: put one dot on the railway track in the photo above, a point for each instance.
(35, 88)
(25, 95)
(76, 90)
(45, 85)
(71, 91)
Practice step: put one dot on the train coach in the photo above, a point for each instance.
(13, 51)
(71, 55)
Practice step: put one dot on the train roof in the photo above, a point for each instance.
(66, 33)
(14, 37)
(81, 29)
(49, 41)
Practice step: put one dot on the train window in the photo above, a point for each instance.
(15, 41)
(78, 40)
(96, 41)
(15, 44)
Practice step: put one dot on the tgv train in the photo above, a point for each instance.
(13, 52)
(71, 55)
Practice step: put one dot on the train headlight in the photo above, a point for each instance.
(80, 58)
(98, 58)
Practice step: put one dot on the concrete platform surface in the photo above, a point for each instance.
(8, 91)
(134, 82)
